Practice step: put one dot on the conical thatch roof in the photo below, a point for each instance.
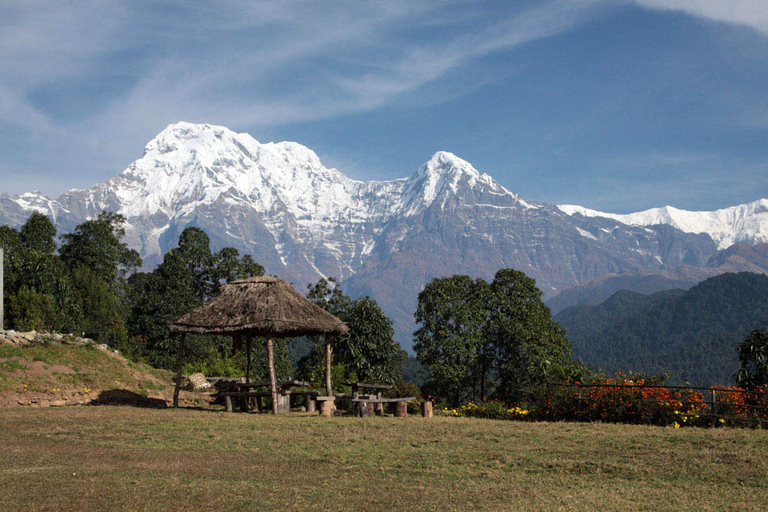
(262, 306)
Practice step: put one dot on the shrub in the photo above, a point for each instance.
(493, 409)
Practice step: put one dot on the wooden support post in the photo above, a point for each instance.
(401, 409)
(1, 289)
(248, 339)
(328, 351)
(228, 403)
(426, 409)
(310, 404)
(272, 379)
(179, 362)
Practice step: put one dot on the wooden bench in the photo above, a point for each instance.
(361, 410)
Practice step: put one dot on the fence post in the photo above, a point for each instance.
(580, 400)
(713, 398)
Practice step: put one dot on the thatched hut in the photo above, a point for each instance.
(259, 306)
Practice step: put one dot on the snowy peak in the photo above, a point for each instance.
(727, 226)
(188, 165)
(446, 176)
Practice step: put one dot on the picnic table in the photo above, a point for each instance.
(243, 392)
(361, 400)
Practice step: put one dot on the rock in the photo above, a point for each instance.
(197, 381)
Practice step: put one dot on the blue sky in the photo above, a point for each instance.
(615, 105)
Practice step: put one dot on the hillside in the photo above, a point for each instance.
(740, 257)
(41, 370)
(693, 334)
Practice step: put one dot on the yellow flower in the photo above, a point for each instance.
(677, 425)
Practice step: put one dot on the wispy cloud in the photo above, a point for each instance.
(243, 64)
(751, 13)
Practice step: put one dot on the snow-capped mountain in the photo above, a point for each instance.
(301, 220)
(743, 223)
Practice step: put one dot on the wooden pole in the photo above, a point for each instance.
(179, 362)
(272, 379)
(328, 352)
(248, 338)
(1, 289)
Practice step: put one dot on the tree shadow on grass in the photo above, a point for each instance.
(125, 397)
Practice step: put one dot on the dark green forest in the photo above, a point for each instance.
(691, 335)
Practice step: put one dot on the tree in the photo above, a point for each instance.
(189, 275)
(96, 244)
(477, 339)
(529, 348)
(450, 343)
(753, 357)
(98, 261)
(367, 352)
(38, 234)
(36, 282)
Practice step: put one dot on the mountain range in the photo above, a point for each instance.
(386, 239)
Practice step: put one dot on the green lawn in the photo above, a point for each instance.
(125, 458)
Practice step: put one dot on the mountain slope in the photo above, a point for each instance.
(303, 221)
(693, 334)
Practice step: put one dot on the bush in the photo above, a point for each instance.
(635, 399)
(493, 409)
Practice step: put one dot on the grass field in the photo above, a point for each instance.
(125, 458)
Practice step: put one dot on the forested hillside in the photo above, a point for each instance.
(692, 335)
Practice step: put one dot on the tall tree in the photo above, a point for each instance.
(529, 347)
(189, 275)
(450, 341)
(36, 282)
(98, 261)
(368, 351)
(478, 339)
(96, 244)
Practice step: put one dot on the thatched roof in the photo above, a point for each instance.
(262, 306)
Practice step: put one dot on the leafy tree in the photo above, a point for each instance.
(38, 234)
(367, 352)
(753, 357)
(98, 261)
(189, 275)
(529, 348)
(36, 282)
(96, 244)
(450, 343)
(30, 310)
(478, 339)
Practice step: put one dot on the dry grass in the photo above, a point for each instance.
(56, 371)
(112, 458)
